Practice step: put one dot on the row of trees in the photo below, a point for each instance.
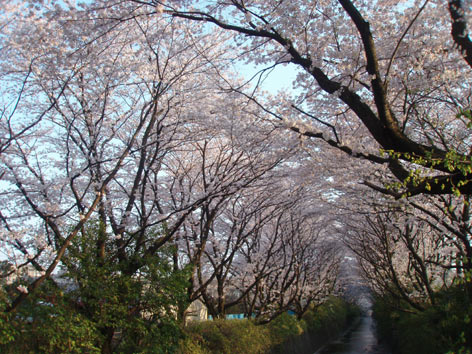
(383, 85)
(134, 183)
(415, 256)
(411, 251)
(125, 117)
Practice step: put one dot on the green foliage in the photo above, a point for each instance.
(330, 318)
(101, 296)
(284, 327)
(285, 334)
(457, 164)
(227, 336)
(41, 327)
(58, 330)
(8, 332)
(443, 328)
(156, 338)
(140, 304)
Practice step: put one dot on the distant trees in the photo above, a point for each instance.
(292, 264)
(263, 254)
(414, 257)
(413, 251)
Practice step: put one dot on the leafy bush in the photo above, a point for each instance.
(442, 328)
(43, 328)
(330, 318)
(227, 336)
(101, 304)
(285, 334)
(284, 327)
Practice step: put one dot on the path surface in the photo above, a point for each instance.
(361, 339)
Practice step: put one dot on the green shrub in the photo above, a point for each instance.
(48, 329)
(285, 334)
(329, 319)
(284, 327)
(226, 336)
(442, 328)
(104, 304)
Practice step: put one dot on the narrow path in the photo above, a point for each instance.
(361, 339)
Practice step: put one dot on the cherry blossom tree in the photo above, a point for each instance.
(414, 250)
(221, 169)
(126, 116)
(94, 128)
(373, 76)
(291, 264)
(217, 246)
(132, 143)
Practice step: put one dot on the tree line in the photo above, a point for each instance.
(132, 151)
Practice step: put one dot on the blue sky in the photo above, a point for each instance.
(280, 78)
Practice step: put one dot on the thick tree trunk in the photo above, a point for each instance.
(107, 347)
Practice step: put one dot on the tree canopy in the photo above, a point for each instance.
(134, 155)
